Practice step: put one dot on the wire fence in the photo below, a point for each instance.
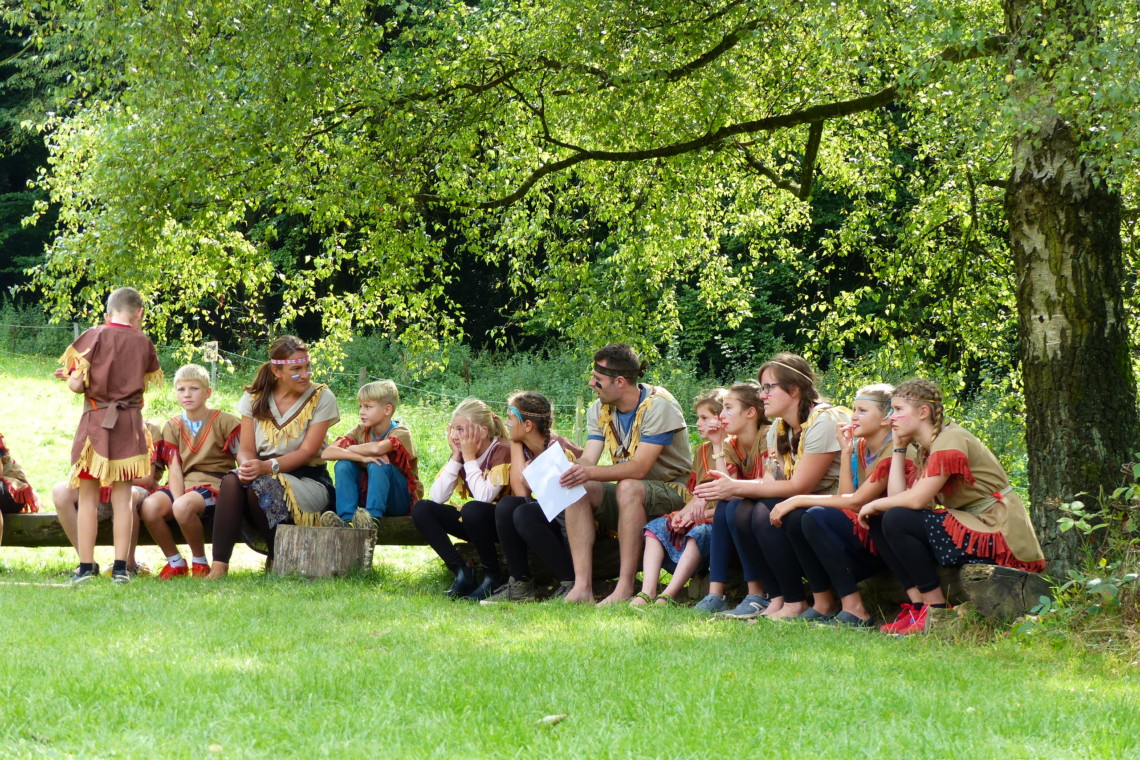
(231, 358)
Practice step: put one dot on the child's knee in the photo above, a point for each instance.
(187, 506)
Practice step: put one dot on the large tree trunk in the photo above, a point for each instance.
(1080, 393)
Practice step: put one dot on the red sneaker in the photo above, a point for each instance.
(169, 571)
(917, 624)
(904, 619)
(199, 570)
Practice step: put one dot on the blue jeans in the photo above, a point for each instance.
(385, 489)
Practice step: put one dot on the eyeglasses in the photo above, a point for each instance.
(766, 388)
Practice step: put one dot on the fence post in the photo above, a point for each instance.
(363, 377)
(210, 352)
(75, 331)
(578, 404)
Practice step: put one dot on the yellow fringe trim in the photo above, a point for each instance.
(841, 414)
(300, 517)
(275, 435)
(153, 379)
(605, 417)
(685, 494)
(72, 358)
(109, 471)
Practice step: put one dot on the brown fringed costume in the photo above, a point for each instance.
(117, 363)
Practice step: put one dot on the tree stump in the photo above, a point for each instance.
(322, 552)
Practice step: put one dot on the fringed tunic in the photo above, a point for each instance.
(117, 363)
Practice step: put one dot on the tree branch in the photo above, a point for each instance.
(813, 115)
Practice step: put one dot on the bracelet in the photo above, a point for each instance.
(719, 456)
(899, 451)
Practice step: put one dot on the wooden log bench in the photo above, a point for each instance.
(43, 529)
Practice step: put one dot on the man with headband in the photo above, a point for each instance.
(642, 428)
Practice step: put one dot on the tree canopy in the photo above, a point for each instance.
(601, 152)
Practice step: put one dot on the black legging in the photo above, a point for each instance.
(813, 568)
(522, 527)
(475, 522)
(776, 549)
(8, 505)
(738, 515)
(236, 504)
(832, 537)
(902, 541)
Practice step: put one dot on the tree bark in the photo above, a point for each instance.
(1080, 393)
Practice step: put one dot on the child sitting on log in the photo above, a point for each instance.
(961, 510)
(198, 446)
(377, 470)
(478, 471)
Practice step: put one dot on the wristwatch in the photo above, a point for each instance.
(274, 467)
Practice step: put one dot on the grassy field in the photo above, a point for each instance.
(382, 666)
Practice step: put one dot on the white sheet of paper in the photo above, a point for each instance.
(542, 475)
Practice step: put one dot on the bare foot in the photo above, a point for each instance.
(788, 611)
(615, 598)
(579, 596)
(218, 571)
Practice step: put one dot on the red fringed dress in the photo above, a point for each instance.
(978, 517)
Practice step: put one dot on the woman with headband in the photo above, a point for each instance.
(281, 477)
(803, 458)
(521, 525)
(961, 510)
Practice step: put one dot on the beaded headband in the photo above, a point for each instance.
(304, 360)
(533, 415)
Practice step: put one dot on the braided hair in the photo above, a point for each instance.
(534, 408)
(924, 393)
(793, 371)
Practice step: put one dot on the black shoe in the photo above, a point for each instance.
(82, 576)
(464, 582)
(120, 576)
(491, 581)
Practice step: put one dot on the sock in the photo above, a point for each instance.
(199, 560)
(120, 565)
(175, 560)
(940, 606)
(86, 567)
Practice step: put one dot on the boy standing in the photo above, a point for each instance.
(377, 462)
(111, 365)
(198, 447)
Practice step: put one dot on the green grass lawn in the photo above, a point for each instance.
(383, 666)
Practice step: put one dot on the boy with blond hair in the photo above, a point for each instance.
(376, 462)
(111, 365)
(199, 447)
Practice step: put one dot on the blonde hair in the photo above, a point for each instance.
(124, 299)
(923, 393)
(480, 414)
(880, 393)
(381, 391)
(193, 373)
